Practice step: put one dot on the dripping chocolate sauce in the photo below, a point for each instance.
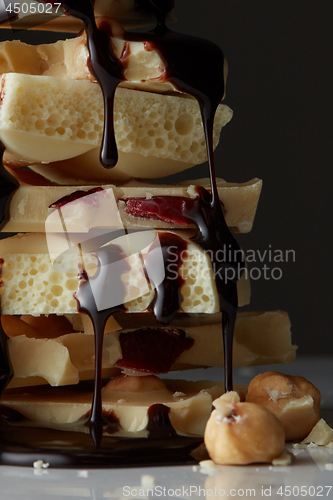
(105, 67)
(195, 67)
(167, 299)
(111, 258)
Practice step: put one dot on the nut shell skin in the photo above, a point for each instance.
(246, 433)
(293, 399)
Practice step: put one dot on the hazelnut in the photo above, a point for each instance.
(126, 383)
(293, 399)
(242, 433)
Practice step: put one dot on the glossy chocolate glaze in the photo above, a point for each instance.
(108, 280)
(105, 67)
(72, 446)
(195, 67)
(166, 302)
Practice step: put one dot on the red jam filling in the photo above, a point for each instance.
(152, 350)
(164, 208)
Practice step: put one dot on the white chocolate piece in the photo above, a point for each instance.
(29, 204)
(39, 464)
(31, 285)
(58, 406)
(62, 361)
(259, 338)
(283, 460)
(321, 434)
(47, 119)
(70, 358)
(87, 168)
(68, 59)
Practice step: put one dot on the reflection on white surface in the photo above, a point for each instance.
(308, 470)
(305, 478)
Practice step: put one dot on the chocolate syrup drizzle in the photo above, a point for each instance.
(167, 299)
(109, 281)
(194, 66)
(105, 67)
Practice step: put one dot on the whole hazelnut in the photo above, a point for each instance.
(242, 433)
(293, 399)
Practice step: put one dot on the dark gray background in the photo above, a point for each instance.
(279, 86)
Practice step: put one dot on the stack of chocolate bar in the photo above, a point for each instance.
(113, 280)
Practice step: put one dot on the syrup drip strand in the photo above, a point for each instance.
(105, 281)
(166, 302)
(107, 70)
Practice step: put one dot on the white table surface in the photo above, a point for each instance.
(308, 469)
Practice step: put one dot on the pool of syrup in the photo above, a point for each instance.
(22, 443)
